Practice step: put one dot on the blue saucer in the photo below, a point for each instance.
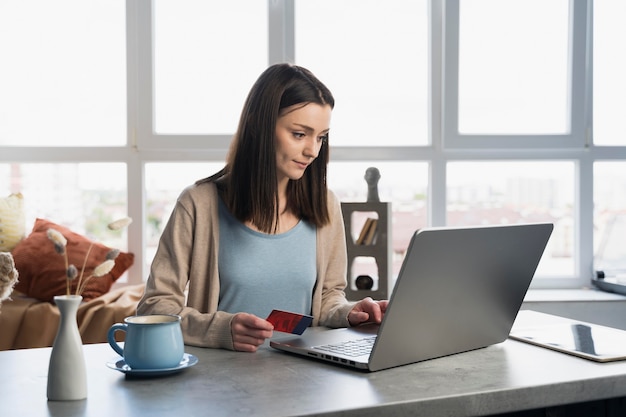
(120, 365)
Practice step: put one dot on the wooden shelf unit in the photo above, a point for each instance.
(380, 249)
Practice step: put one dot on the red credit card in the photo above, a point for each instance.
(285, 321)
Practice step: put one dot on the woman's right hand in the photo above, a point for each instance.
(249, 331)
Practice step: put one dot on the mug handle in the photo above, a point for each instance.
(111, 337)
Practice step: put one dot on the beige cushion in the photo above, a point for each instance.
(12, 222)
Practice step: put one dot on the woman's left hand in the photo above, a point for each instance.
(367, 311)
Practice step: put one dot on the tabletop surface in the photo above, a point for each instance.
(506, 377)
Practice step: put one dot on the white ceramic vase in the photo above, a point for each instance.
(67, 376)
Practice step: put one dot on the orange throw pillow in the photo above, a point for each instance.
(42, 270)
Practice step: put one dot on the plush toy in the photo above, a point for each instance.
(8, 275)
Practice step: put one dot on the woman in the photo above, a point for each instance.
(264, 232)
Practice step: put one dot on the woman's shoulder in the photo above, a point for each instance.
(331, 198)
(334, 206)
(199, 193)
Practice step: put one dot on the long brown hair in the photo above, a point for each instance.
(249, 181)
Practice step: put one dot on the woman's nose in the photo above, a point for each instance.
(312, 148)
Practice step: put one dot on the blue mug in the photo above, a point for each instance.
(152, 341)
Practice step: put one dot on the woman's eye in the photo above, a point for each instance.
(298, 135)
(323, 138)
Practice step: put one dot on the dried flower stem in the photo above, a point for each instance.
(67, 281)
(82, 270)
(60, 246)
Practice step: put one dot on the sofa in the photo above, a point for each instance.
(26, 322)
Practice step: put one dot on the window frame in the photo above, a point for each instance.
(578, 58)
(145, 146)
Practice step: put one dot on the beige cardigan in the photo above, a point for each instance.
(187, 256)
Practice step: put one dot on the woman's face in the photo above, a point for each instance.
(300, 133)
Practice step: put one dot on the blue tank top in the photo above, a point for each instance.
(260, 272)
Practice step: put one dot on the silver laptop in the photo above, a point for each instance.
(458, 289)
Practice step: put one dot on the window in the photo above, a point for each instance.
(610, 217)
(63, 80)
(373, 55)
(483, 111)
(204, 64)
(609, 63)
(514, 74)
(164, 181)
(492, 193)
(513, 67)
(85, 197)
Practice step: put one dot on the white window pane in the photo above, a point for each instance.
(84, 197)
(403, 184)
(609, 72)
(513, 73)
(610, 217)
(63, 77)
(373, 55)
(481, 193)
(164, 183)
(207, 55)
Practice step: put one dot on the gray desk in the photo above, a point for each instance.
(499, 379)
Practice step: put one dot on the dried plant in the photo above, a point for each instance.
(60, 246)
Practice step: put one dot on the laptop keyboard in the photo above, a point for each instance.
(357, 347)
